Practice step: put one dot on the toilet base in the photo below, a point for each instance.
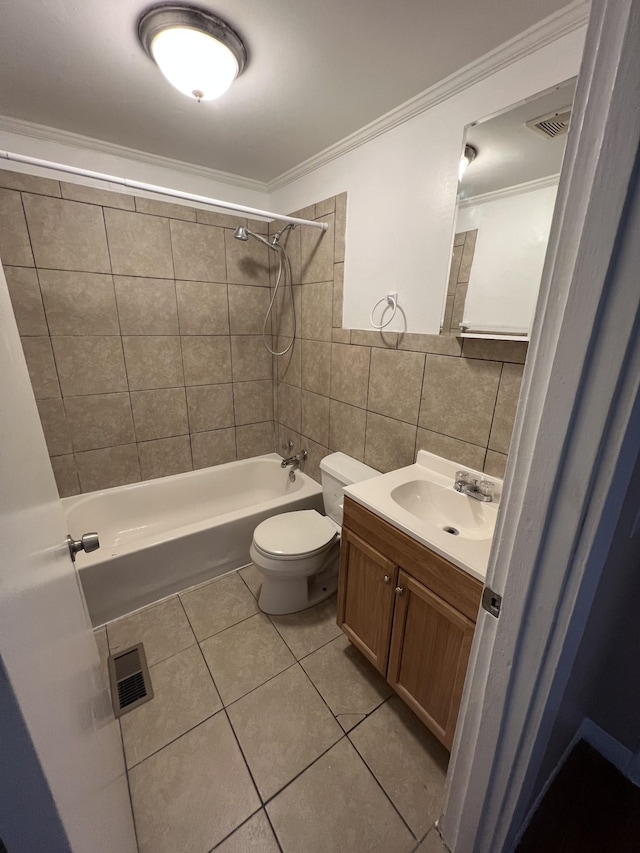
(280, 596)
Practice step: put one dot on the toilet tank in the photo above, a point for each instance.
(337, 471)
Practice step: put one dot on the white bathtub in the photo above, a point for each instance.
(162, 536)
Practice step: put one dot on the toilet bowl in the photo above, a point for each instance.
(297, 553)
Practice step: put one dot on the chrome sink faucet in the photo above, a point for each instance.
(480, 490)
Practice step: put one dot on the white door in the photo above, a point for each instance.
(61, 756)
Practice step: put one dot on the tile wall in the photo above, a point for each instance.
(380, 397)
(140, 322)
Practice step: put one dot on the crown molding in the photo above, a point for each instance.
(76, 140)
(561, 23)
(507, 192)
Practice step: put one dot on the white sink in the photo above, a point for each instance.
(446, 509)
(421, 501)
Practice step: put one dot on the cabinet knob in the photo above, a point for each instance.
(387, 579)
(399, 590)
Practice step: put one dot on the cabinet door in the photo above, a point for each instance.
(366, 598)
(430, 647)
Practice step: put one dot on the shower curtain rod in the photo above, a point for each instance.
(139, 185)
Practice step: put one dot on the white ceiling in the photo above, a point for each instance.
(317, 72)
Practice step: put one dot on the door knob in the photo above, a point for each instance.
(399, 590)
(387, 579)
(87, 542)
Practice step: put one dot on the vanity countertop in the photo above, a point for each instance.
(421, 501)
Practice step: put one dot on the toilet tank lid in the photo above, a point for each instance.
(346, 469)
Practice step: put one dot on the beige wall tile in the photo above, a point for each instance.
(255, 439)
(338, 294)
(202, 308)
(253, 401)
(153, 362)
(159, 414)
(515, 351)
(316, 366)
(457, 312)
(440, 344)
(317, 311)
(350, 374)
(89, 364)
(42, 367)
(340, 226)
(317, 252)
(249, 358)
(206, 359)
(506, 404)
(459, 396)
(26, 300)
(198, 251)
(55, 427)
(495, 464)
(347, 427)
(146, 306)
(315, 455)
(467, 256)
(289, 366)
(210, 407)
(389, 444)
(66, 235)
(341, 336)
(246, 262)
(315, 417)
(325, 207)
(15, 247)
(29, 183)
(99, 420)
(139, 245)
(213, 448)
(283, 312)
(384, 339)
(247, 309)
(395, 384)
(284, 435)
(460, 452)
(64, 470)
(291, 242)
(165, 456)
(289, 406)
(79, 303)
(165, 208)
(111, 466)
(222, 220)
(96, 195)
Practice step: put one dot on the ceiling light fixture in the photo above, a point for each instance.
(196, 51)
(470, 154)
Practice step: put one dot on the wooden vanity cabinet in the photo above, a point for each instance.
(410, 612)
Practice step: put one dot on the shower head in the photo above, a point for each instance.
(241, 233)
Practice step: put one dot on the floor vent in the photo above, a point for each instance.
(129, 679)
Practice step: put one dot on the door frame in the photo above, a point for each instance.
(574, 447)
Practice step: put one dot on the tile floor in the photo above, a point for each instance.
(270, 734)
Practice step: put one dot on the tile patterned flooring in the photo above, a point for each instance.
(270, 734)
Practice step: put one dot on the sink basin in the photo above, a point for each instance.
(445, 509)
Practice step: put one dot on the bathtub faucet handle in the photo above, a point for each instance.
(295, 460)
(87, 542)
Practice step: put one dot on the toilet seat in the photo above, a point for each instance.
(293, 535)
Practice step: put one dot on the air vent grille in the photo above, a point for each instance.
(129, 679)
(551, 125)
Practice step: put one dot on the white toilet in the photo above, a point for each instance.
(298, 553)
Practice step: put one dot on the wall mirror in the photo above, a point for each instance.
(506, 196)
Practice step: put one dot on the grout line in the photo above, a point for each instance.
(239, 826)
(379, 784)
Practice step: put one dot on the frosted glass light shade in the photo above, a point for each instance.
(197, 52)
(194, 62)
